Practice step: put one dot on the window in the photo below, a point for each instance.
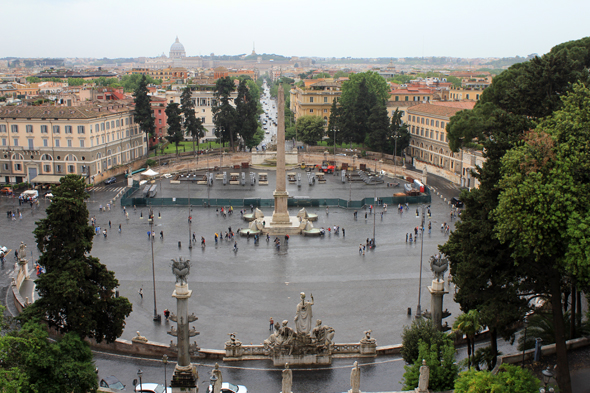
(18, 167)
(159, 111)
(113, 124)
(29, 128)
(422, 120)
(102, 126)
(58, 168)
(437, 135)
(108, 137)
(311, 99)
(467, 96)
(5, 166)
(81, 142)
(91, 142)
(71, 169)
(117, 123)
(127, 120)
(14, 128)
(311, 111)
(57, 143)
(103, 139)
(397, 98)
(69, 143)
(159, 121)
(2, 128)
(413, 129)
(325, 111)
(67, 129)
(80, 129)
(45, 142)
(44, 129)
(56, 129)
(325, 99)
(202, 121)
(477, 96)
(15, 140)
(437, 123)
(407, 99)
(31, 144)
(422, 132)
(431, 134)
(46, 168)
(108, 125)
(442, 124)
(4, 141)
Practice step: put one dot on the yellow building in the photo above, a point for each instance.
(429, 143)
(40, 144)
(164, 74)
(314, 99)
(465, 93)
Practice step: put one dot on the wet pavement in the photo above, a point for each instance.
(240, 291)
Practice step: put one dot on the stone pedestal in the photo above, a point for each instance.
(437, 291)
(303, 360)
(368, 348)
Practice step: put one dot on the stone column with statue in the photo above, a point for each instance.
(438, 265)
(280, 215)
(185, 375)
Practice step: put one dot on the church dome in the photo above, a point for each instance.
(177, 46)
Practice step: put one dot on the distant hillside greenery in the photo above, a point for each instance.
(507, 61)
(128, 82)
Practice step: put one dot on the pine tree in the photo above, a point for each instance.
(224, 114)
(174, 120)
(76, 291)
(246, 114)
(192, 125)
(378, 123)
(143, 110)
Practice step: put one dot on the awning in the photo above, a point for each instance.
(149, 173)
(53, 179)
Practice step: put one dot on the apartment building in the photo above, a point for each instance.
(314, 98)
(429, 144)
(40, 144)
(168, 73)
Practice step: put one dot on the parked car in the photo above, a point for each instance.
(227, 387)
(3, 249)
(456, 202)
(147, 387)
(112, 383)
(110, 180)
(6, 191)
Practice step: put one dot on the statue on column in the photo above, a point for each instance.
(287, 379)
(355, 379)
(217, 372)
(303, 318)
(22, 252)
(181, 269)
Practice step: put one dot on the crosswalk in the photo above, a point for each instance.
(107, 189)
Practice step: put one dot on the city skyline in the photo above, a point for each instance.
(424, 28)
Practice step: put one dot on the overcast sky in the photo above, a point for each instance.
(360, 28)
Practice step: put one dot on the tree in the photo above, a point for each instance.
(510, 379)
(374, 83)
(224, 114)
(468, 324)
(192, 125)
(378, 138)
(76, 294)
(399, 132)
(440, 358)
(333, 121)
(420, 330)
(310, 129)
(143, 110)
(31, 363)
(544, 217)
(246, 115)
(175, 134)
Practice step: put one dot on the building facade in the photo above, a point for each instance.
(40, 144)
(314, 99)
(165, 74)
(429, 144)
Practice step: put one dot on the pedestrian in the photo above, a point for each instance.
(406, 237)
(119, 228)
(355, 214)
(382, 216)
(162, 235)
(166, 314)
(109, 224)
(20, 216)
(327, 210)
(149, 234)
(370, 209)
(104, 233)
(411, 240)
(235, 246)
(429, 227)
(363, 250)
(194, 237)
(141, 293)
(343, 233)
(272, 324)
(365, 215)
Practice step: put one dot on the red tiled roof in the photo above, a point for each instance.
(434, 110)
(455, 104)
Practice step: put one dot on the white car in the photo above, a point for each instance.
(227, 387)
(3, 249)
(148, 387)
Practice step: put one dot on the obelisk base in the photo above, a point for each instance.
(280, 215)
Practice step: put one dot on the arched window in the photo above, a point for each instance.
(46, 157)
(71, 157)
(17, 156)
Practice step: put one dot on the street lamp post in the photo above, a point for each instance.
(165, 361)
(421, 229)
(547, 375)
(395, 155)
(374, 212)
(139, 374)
(190, 218)
(151, 221)
(525, 322)
(334, 151)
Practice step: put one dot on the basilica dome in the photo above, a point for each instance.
(177, 50)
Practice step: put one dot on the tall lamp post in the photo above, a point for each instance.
(525, 322)
(395, 136)
(334, 151)
(547, 375)
(139, 374)
(190, 218)
(165, 361)
(421, 229)
(157, 317)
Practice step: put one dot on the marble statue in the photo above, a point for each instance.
(355, 378)
(287, 379)
(22, 251)
(217, 372)
(139, 338)
(439, 266)
(322, 335)
(368, 339)
(424, 377)
(304, 315)
(181, 269)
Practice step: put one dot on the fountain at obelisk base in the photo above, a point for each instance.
(185, 376)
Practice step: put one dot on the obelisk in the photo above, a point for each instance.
(280, 216)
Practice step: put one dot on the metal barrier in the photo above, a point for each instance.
(128, 200)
